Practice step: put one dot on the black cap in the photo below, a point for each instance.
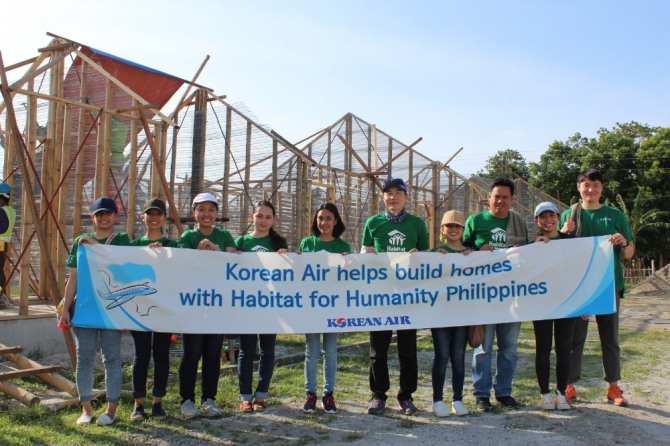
(155, 203)
(104, 204)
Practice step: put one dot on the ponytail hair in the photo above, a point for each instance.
(276, 240)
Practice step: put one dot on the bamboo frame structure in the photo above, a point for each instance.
(55, 136)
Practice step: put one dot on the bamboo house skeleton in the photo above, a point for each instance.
(82, 123)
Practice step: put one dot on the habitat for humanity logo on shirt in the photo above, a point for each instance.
(396, 241)
(498, 238)
(259, 248)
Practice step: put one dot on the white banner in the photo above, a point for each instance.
(189, 291)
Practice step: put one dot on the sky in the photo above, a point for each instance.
(482, 75)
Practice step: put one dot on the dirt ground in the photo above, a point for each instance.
(646, 421)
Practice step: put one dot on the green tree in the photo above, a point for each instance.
(506, 164)
(556, 172)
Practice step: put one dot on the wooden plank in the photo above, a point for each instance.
(28, 372)
(14, 349)
(53, 379)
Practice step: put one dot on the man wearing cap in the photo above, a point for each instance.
(393, 230)
(587, 219)
(496, 228)
(7, 219)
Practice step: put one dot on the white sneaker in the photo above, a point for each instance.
(84, 419)
(210, 409)
(458, 408)
(440, 410)
(188, 409)
(547, 402)
(104, 420)
(561, 403)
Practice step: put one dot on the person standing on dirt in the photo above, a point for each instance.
(103, 214)
(394, 230)
(587, 219)
(150, 344)
(546, 219)
(496, 228)
(7, 219)
(326, 229)
(205, 346)
(449, 342)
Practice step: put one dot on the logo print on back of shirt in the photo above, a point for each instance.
(396, 238)
(259, 248)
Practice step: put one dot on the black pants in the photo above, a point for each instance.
(608, 330)
(561, 330)
(3, 278)
(148, 344)
(379, 372)
(207, 346)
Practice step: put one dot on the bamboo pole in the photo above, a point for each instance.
(225, 211)
(154, 153)
(30, 202)
(246, 198)
(79, 172)
(53, 379)
(26, 217)
(19, 394)
(132, 175)
(62, 193)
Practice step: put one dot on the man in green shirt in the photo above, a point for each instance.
(496, 228)
(393, 230)
(586, 219)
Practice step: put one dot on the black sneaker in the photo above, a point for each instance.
(157, 411)
(509, 402)
(138, 413)
(484, 404)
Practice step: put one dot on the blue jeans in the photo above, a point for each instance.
(245, 365)
(313, 353)
(87, 350)
(506, 358)
(449, 343)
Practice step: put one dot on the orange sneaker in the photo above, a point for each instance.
(570, 393)
(615, 396)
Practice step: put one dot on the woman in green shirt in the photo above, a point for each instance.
(326, 229)
(147, 343)
(264, 238)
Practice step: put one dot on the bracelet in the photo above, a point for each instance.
(626, 245)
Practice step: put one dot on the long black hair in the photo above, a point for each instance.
(276, 240)
(339, 227)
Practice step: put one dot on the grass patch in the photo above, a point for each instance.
(642, 354)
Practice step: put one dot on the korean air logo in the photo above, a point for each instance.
(259, 248)
(396, 238)
(342, 322)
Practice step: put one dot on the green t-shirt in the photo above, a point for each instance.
(605, 221)
(120, 239)
(220, 237)
(386, 236)
(247, 243)
(448, 249)
(144, 241)
(483, 228)
(315, 244)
